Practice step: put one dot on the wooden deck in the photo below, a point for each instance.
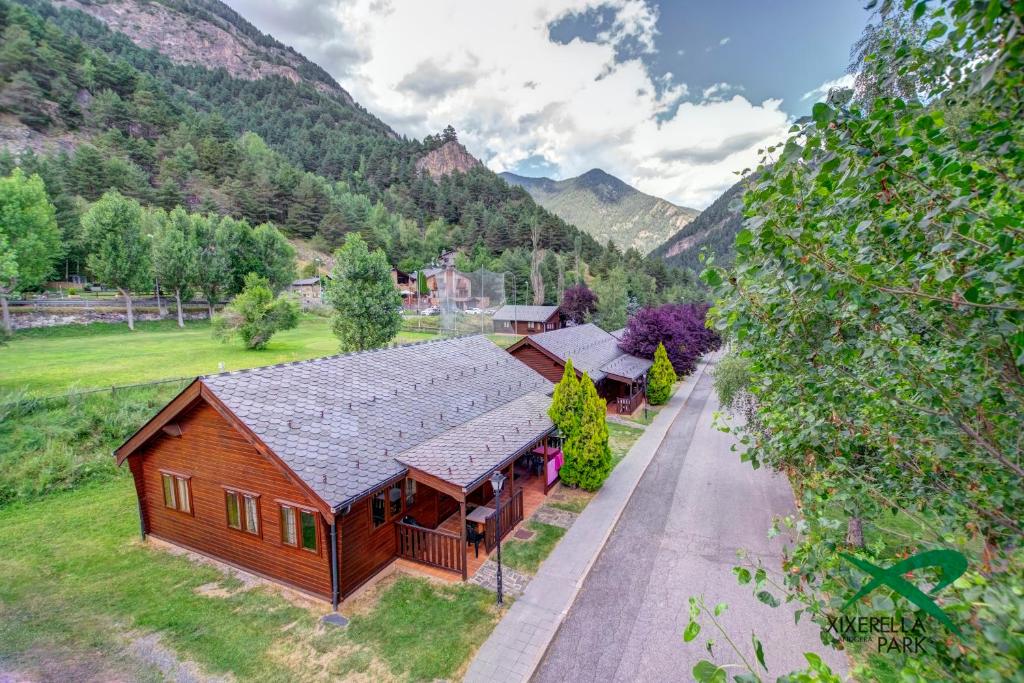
(533, 498)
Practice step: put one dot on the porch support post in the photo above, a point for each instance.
(462, 535)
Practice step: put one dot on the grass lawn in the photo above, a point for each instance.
(526, 556)
(80, 591)
(52, 360)
(621, 438)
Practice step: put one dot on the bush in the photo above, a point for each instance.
(732, 377)
(661, 378)
(256, 314)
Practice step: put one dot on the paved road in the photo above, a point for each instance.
(696, 505)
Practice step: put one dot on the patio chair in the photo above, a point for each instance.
(473, 536)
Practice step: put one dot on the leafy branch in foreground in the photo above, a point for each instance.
(877, 300)
(706, 671)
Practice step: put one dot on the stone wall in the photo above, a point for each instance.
(38, 318)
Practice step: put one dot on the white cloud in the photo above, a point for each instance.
(493, 72)
(821, 92)
(724, 41)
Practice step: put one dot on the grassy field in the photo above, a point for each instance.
(51, 360)
(81, 595)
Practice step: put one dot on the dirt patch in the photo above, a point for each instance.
(60, 664)
(215, 590)
(240, 580)
(149, 649)
(348, 662)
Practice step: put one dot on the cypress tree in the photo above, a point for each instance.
(661, 378)
(587, 452)
(567, 405)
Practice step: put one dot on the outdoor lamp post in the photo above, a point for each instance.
(497, 481)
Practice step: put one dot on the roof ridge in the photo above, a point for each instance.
(422, 342)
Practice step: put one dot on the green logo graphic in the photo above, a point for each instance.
(951, 562)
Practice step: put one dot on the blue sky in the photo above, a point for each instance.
(672, 97)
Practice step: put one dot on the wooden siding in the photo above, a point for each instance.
(523, 327)
(364, 550)
(216, 456)
(540, 362)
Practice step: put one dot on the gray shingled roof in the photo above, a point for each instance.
(619, 333)
(630, 367)
(537, 314)
(592, 350)
(339, 422)
(470, 451)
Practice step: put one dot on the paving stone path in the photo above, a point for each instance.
(513, 583)
(553, 516)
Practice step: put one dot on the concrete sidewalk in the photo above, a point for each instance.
(518, 643)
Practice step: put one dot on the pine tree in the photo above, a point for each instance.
(588, 456)
(660, 378)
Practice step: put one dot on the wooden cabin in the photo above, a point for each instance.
(318, 474)
(620, 378)
(527, 319)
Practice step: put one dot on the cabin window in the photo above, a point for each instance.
(378, 509)
(177, 492)
(307, 522)
(298, 527)
(395, 500)
(243, 511)
(551, 326)
(508, 324)
(530, 325)
(288, 535)
(410, 492)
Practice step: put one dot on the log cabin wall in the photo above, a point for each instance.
(215, 456)
(550, 369)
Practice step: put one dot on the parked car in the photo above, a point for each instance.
(433, 310)
(473, 311)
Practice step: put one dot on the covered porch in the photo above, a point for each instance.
(515, 444)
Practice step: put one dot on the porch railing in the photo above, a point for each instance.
(627, 404)
(511, 514)
(427, 546)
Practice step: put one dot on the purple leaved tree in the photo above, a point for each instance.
(578, 303)
(680, 327)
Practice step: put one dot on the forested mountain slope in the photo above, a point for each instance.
(89, 110)
(715, 228)
(608, 208)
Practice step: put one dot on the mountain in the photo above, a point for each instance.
(185, 103)
(715, 228)
(208, 34)
(607, 208)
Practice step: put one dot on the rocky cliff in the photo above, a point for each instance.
(448, 158)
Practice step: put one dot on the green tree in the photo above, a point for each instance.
(612, 292)
(567, 402)
(366, 303)
(255, 315)
(174, 253)
(660, 378)
(588, 456)
(28, 226)
(275, 256)
(118, 250)
(213, 269)
(878, 295)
